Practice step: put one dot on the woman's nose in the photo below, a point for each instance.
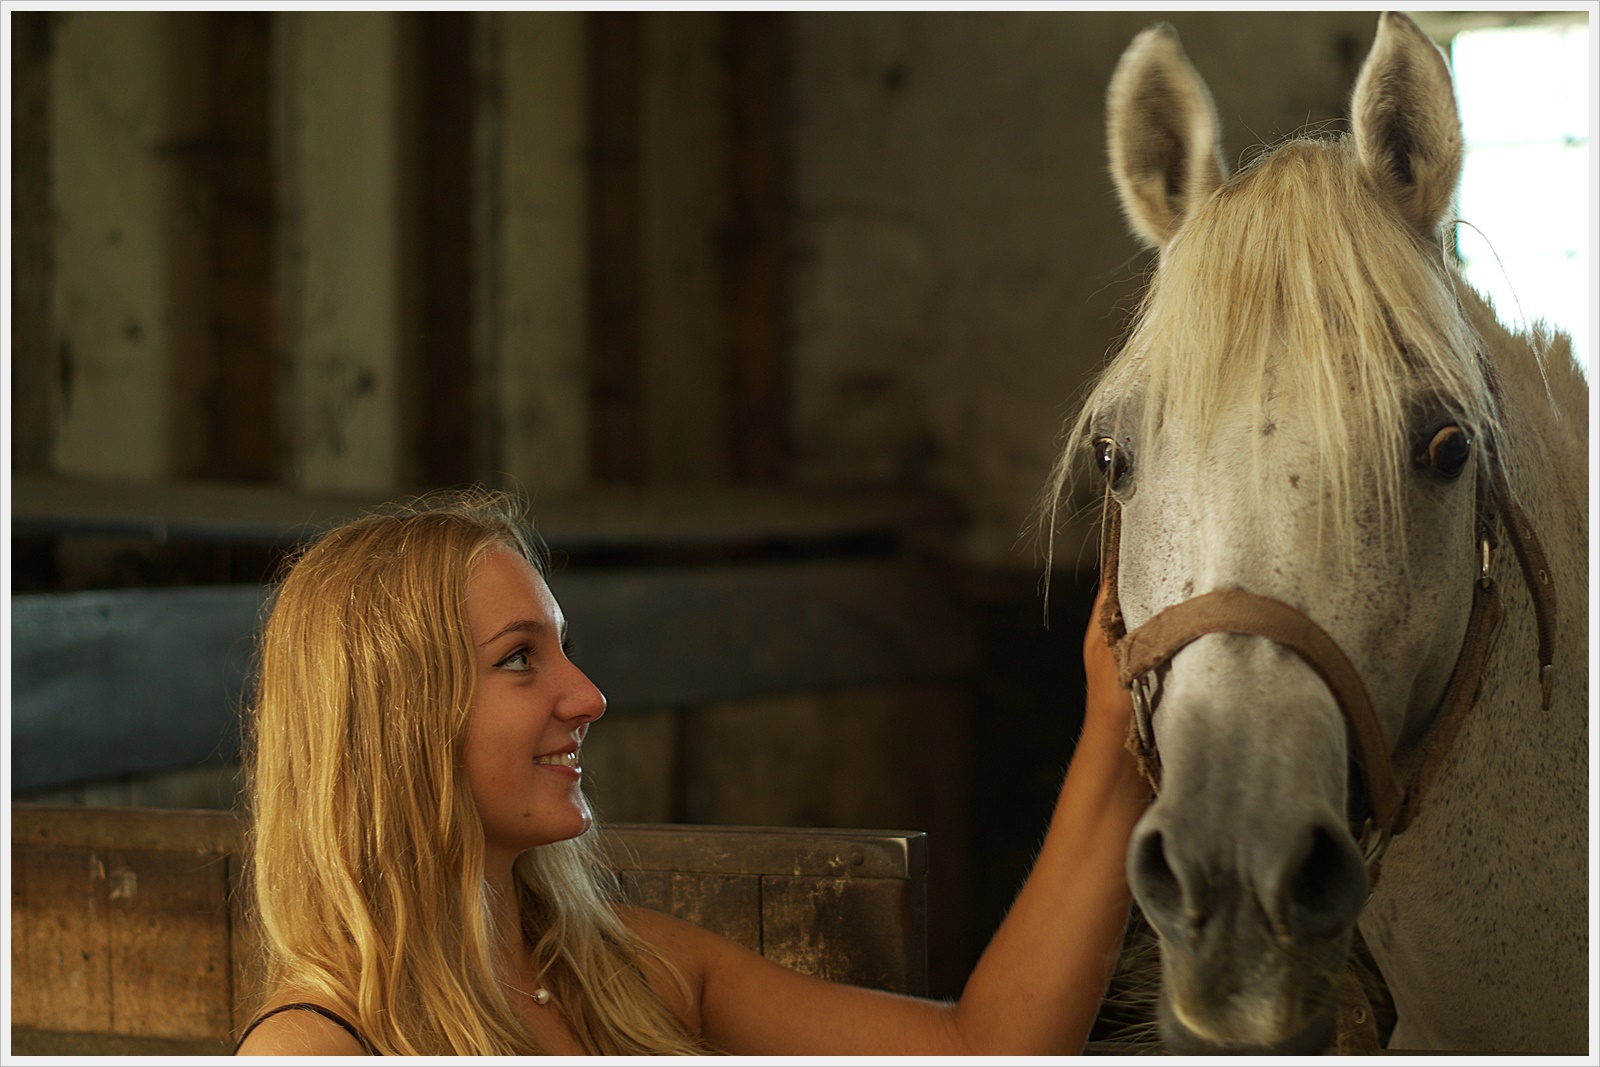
(583, 701)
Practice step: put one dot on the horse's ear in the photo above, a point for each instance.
(1407, 130)
(1163, 136)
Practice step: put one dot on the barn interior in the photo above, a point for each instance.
(775, 317)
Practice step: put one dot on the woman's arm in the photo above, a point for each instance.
(1038, 986)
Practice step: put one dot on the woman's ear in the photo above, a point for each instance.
(1407, 130)
(1163, 136)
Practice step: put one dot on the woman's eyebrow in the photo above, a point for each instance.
(527, 626)
(530, 626)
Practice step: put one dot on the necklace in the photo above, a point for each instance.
(540, 996)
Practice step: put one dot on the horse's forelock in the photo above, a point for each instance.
(1296, 283)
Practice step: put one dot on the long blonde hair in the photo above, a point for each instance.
(365, 850)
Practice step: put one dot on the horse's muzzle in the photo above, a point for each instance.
(1254, 931)
(1236, 988)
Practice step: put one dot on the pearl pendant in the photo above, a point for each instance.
(541, 996)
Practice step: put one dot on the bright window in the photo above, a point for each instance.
(1525, 187)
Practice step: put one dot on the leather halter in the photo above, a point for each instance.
(1139, 653)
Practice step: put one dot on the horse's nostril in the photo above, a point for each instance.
(1153, 880)
(1328, 889)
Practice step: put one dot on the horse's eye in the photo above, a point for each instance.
(1449, 450)
(1110, 459)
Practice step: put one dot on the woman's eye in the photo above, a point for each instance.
(517, 661)
(1109, 458)
(1447, 453)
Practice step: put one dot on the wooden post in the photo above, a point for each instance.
(346, 325)
(616, 302)
(228, 400)
(111, 301)
(756, 252)
(683, 168)
(443, 394)
(537, 229)
(35, 367)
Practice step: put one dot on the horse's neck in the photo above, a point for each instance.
(1487, 890)
(1546, 434)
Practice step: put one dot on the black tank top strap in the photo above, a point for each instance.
(320, 1010)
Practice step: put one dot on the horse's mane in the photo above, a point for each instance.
(1297, 279)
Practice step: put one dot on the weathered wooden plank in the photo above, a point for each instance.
(27, 1041)
(37, 826)
(59, 914)
(169, 944)
(769, 850)
(727, 905)
(862, 931)
(133, 940)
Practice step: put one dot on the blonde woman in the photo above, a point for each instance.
(423, 882)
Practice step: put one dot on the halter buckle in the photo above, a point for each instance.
(1373, 842)
(1488, 559)
(1143, 699)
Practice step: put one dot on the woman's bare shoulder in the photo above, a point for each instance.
(292, 1026)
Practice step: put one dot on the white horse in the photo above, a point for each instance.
(1317, 418)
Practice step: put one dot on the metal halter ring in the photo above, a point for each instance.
(1143, 700)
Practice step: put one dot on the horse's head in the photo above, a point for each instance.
(1300, 413)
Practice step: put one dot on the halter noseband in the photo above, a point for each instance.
(1140, 652)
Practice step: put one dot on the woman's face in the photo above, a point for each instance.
(532, 710)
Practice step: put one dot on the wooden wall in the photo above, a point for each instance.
(364, 251)
(729, 294)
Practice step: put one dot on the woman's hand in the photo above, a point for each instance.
(1107, 704)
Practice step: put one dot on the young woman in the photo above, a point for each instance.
(422, 878)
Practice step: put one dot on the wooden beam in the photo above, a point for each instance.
(619, 518)
(445, 392)
(35, 370)
(756, 252)
(238, 413)
(616, 300)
